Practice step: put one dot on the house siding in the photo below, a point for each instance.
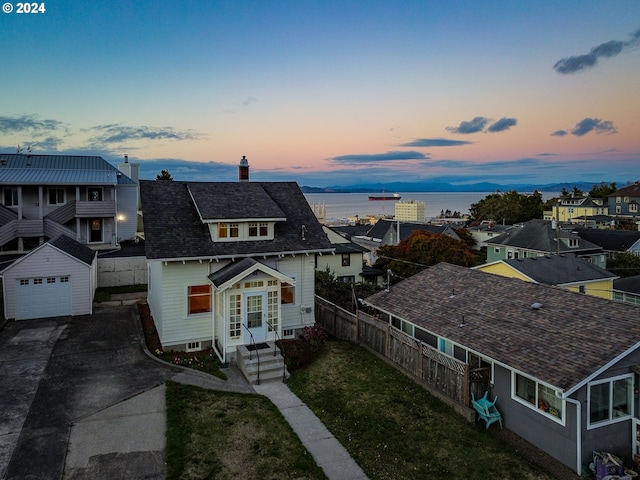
(154, 294)
(127, 197)
(302, 268)
(557, 440)
(502, 270)
(82, 278)
(178, 328)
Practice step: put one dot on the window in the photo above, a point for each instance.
(509, 253)
(235, 315)
(618, 209)
(538, 396)
(64, 279)
(94, 194)
(573, 242)
(626, 199)
(516, 254)
(287, 293)
(234, 230)
(193, 347)
(223, 230)
(446, 346)
(10, 197)
(37, 281)
(496, 250)
(272, 310)
(633, 207)
(24, 282)
(618, 199)
(258, 230)
(199, 299)
(346, 259)
(56, 196)
(51, 280)
(610, 400)
(582, 289)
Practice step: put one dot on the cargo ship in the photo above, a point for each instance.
(395, 196)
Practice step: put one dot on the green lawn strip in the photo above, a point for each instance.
(395, 429)
(221, 435)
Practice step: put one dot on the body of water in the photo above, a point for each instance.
(343, 205)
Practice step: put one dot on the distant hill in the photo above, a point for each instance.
(446, 187)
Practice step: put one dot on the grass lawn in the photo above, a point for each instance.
(394, 428)
(220, 435)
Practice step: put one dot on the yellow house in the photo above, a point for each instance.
(568, 209)
(566, 270)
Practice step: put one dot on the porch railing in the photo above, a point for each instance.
(275, 349)
(253, 344)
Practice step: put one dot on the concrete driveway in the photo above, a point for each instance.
(66, 384)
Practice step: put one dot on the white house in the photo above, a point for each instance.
(229, 262)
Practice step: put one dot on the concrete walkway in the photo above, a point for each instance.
(325, 449)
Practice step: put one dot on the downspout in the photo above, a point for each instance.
(578, 432)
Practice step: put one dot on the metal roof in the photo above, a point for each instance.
(18, 169)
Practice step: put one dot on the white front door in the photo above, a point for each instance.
(255, 317)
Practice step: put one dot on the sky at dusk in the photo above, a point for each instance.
(330, 92)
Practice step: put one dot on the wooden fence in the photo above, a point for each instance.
(441, 373)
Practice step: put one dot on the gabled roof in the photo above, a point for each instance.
(560, 269)
(236, 271)
(73, 248)
(383, 226)
(610, 240)
(540, 236)
(490, 227)
(18, 169)
(173, 228)
(632, 190)
(565, 343)
(66, 245)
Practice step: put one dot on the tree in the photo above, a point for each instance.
(164, 175)
(602, 190)
(508, 207)
(420, 250)
(343, 294)
(624, 264)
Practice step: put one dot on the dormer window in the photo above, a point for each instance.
(228, 230)
(573, 242)
(258, 230)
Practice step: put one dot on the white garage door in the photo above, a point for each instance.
(43, 297)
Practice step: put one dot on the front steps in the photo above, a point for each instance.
(272, 368)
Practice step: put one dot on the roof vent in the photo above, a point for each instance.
(536, 306)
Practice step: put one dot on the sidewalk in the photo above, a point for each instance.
(325, 449)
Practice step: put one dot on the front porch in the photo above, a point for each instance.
(261, 363)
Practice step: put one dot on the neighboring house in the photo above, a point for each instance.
(83, 197)
(57, 278)
(228, 261)
(627, 290)
(563, 365)
(486, 230)
(624, 202)
(346, 263)
(540, 237)
(570, 208)
(391, 232)
(612, 241)
(564, 270)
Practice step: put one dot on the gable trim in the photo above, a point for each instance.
(602, 369)
(254, 268)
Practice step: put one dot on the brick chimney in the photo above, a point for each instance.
(243, 170)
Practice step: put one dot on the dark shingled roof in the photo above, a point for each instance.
(173, 228)
(563, 343)
(73, 248)
(610, 240)
(382, 226)
(632, 190)
(230, 271)
(628, 284)
(539, 235)
(559, 269)
(227, 201)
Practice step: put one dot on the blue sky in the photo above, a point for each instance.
(331, 93)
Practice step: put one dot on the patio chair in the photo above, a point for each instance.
(486, 409)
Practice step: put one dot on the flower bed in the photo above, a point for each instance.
(204, 360)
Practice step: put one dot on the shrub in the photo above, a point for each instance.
(315, 336)
(297, 353)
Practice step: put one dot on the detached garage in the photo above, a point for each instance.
(56, 279)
